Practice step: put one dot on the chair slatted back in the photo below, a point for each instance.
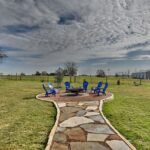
(67, 85)
(99, 85)
(85, 85)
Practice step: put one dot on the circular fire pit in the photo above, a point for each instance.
(74, 94)
(75, 91)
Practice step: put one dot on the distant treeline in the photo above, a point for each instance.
(51, 78)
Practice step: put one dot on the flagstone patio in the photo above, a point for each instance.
(80, 125)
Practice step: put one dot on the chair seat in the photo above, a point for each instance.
(49, 91)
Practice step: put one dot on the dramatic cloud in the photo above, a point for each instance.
(45, 34)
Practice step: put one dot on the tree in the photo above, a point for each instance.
(71, 69)
(59, 75)
(100, 73)
(44, 73)
(65, 72)
(128, 73)
(52, 74)
(37, 73)
(116, 75)
(22, 74)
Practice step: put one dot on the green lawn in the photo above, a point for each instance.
(26, 122)
(130, 113)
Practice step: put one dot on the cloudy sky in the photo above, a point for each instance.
(44, 34)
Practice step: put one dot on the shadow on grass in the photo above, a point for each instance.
(29, 97)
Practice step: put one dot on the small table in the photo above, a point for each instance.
(75, 90)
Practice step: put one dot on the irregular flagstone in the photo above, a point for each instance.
(75, 134)
(65, 116)
(60, 129)
(118, 145)
(89, 103)
(81, 113)
(91, 113)
(68, 110)
(81, 104)
(97, 118)
(97, 128)
(59, 146)
(114, 137)
(72, 104)
(75, 121)
(61, 104)
(87, 146)
(60, 137)
(91, 108)
(96, 137)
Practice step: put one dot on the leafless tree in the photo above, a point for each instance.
(100, 73)
(71, 69)
(37, 73)
(44, 73)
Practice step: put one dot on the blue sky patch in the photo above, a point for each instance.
(135, 53)
(16, 29)
(7, 48)
(67, 18)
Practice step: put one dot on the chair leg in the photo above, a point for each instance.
(46, 94)
(104, 93)
(54, 93)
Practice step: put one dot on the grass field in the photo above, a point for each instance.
(26, 122)
(130, 113)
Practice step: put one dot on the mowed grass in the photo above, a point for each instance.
(24, 121)
(129, 112)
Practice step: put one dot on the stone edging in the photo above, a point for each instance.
(110, 125)
(52, 132)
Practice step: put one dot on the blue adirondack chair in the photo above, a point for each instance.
(103, 90)
(85, 85)
(67, 85)
(50, 91)
(97, 89)
(50, 86)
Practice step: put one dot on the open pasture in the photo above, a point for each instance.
(26, 122)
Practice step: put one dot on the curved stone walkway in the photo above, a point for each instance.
(80, 125)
